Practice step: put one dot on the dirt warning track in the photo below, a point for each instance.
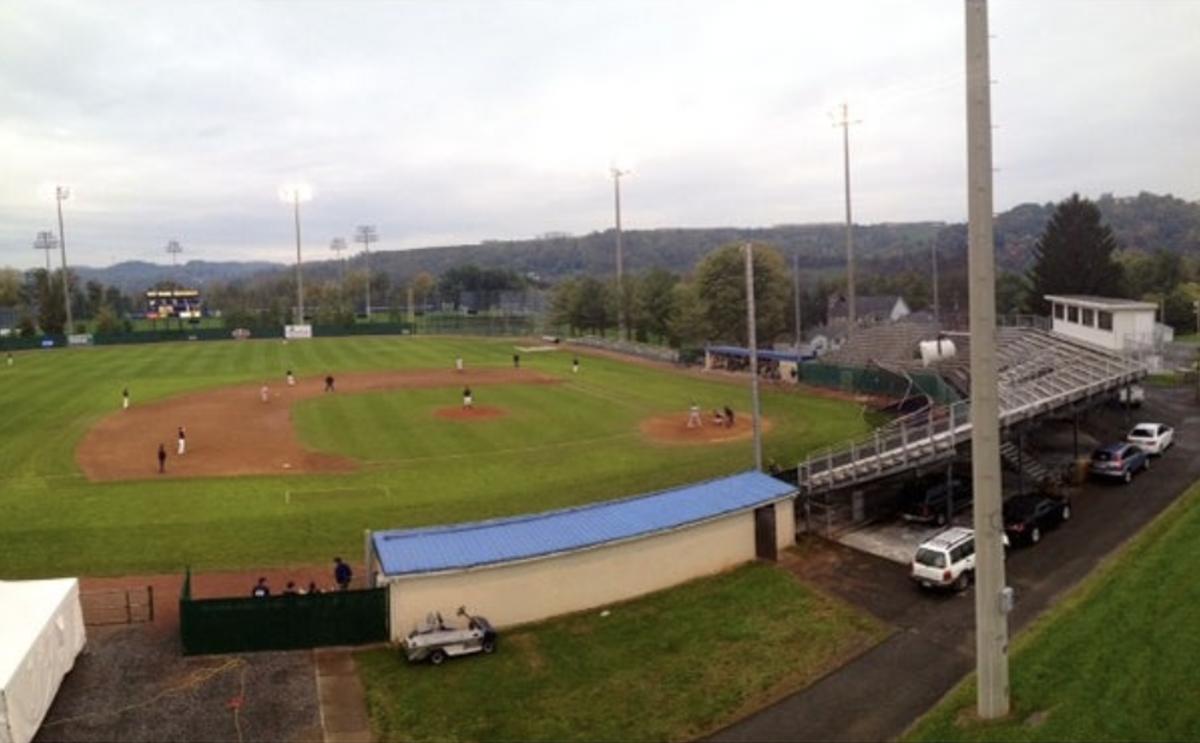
(230, 431)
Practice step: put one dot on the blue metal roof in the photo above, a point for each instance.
(461, 546)
(762, 353)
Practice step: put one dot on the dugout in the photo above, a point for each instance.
(781, 365)
(523, 569)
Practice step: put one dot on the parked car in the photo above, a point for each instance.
(1133, 395)
(1153, 438)
(1119, 460)
(1027, 517)
(436, 642)
(925, 500)
(946, 560)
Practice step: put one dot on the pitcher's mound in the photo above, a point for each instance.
(477, 413)
(671, 428)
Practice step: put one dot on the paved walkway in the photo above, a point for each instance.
(342, 698)
(881, 693)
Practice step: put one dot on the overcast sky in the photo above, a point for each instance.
(453, 121)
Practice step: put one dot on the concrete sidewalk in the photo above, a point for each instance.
(342, 697)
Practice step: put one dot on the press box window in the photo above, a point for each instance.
(1073, 314)
(1105, 319)
(1089, 317)
(1058, 311)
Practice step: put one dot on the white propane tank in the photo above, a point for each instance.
(939, 350)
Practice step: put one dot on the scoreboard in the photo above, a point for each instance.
(171, 303)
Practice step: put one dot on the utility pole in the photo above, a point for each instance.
(46, 241)
(366, 234)
(796, 292)
(616, 176)
(937, 310)
(61, 194)
(992, 598)
(752, 336)
(845, 125)
(174, 248)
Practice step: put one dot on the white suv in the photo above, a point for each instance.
(946, 561)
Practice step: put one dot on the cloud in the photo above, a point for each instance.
(455, 122)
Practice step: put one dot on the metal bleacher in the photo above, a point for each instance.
(1040, 373)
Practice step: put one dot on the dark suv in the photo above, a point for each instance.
(925, 500)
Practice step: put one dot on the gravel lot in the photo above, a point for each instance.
(132, 684)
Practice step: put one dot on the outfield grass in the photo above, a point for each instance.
(670, 666)
(1115, 661)
(561, 445)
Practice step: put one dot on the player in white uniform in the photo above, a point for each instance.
(458, 363)
(694, 420)
(182, 441)
(467, 399)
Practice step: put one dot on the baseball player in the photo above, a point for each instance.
(329, 383)
(694, 419)
(162, 459)
(291, 378)
(458, 363)
(125, 399)
(182, 441)
(467, 400)
(8, 359)
(516, 361)
(575, 365)
(264, 394)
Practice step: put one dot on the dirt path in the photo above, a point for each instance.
(230, 431)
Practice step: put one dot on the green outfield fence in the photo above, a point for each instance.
(875, 381)
(240, 625)
(451, 325)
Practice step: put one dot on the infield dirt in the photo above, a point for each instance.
(672, 428)
(230, 431)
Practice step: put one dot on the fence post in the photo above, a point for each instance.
(150, 598)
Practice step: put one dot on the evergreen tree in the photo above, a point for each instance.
(1074, 255)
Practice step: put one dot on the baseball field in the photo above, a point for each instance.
(297, 478)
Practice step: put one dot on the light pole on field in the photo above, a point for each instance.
(294, 193)
(616, 174)
(752, 337)
(337, 245)
(366, 234)
(46, 241)
(61, 194)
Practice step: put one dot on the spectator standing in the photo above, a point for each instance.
(342, 574)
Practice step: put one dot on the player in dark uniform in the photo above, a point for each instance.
(162, 458)
(329, 383)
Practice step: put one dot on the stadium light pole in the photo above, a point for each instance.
(752, 337)
(61, 194)
(46, 241)
(174, 248)
(366, 234)
(616, 174)
(993, 600)
(337, 245)
(294, 193)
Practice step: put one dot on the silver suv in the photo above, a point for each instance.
(946, 561)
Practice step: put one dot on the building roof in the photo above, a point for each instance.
(463, 546)
(865, 305)
(1104, 303)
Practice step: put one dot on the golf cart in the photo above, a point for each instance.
(435, 642)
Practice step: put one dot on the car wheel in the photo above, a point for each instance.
(437, 657)
(489, 646)
(961, 583)
(1128, 476)
(1066, 512)
(1035, 536)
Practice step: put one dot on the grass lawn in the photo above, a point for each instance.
(670, 666)
(1115, 661)
(560, 445)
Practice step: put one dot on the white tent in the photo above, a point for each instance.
(41, 632)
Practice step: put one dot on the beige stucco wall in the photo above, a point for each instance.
(536, 589)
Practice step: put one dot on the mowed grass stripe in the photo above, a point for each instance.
(557, 447)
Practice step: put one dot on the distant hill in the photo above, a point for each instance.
(1144, 222)
(134, 277)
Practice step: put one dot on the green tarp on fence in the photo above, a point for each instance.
(239, 625)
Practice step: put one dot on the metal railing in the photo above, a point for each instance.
(1045, 373)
